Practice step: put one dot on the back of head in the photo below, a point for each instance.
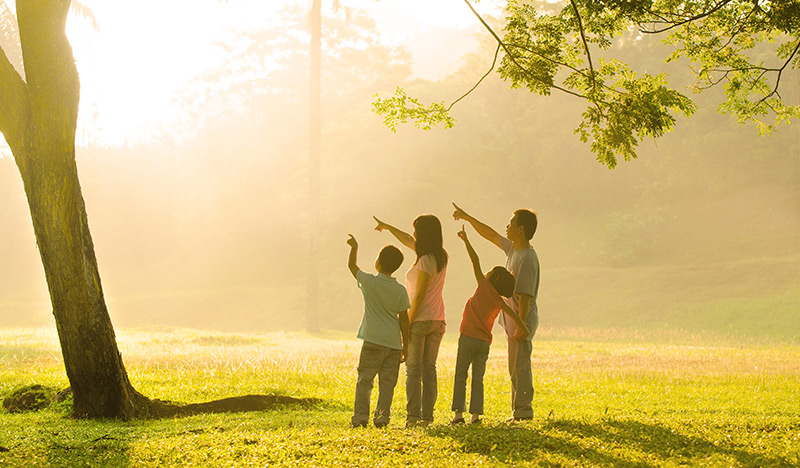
(502, 280)
(390, 259)
(429, 239)
(527, 219)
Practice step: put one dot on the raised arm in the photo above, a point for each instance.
(351, 261)
(520, 321)
(485, 231)
(404, 238)
(473, 256)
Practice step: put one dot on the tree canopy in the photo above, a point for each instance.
(744, 46)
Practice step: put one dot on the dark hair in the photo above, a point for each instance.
(429, 239)
(502, 280)
(527, 219)
(390, 258)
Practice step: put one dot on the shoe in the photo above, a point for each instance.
(424, 423)
(355, 425)
(477, 422)
(518, 419)
(457, 422)
(381, 424)
(410, 424)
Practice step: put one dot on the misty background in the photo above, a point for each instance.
(204, 221)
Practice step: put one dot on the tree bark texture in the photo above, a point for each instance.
(39, 119)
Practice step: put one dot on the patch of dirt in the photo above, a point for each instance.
(30, 398)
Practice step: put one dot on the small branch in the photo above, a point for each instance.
(738, 29)
(511, 56)
(780, 74)
(15, 102)
(494, 62)
(700, 16)
(544, 57)
(583, 39)
(588, 54)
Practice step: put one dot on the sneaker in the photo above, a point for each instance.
(355, 425)
(457, 421)
(381, 424)
(518, 419)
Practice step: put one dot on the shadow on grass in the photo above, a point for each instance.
(68, 450)
(611, 443)
(238, 404)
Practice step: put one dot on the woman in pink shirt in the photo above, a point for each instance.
(424, 282)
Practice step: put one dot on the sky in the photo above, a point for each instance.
(143, 52)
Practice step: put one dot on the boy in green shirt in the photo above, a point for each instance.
(384, 329)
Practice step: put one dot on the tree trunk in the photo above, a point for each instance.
(39, 121)
(314, 149)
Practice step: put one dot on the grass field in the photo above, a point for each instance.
(603, 398)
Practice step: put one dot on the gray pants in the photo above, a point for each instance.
(421, 385)
(385, 363)
(471, 352)
(519, 368)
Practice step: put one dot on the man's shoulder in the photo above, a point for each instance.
(529, 252)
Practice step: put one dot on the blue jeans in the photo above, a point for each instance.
(474, 352)
(385, 363)
(421, 385)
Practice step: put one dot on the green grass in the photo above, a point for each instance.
(614, 398)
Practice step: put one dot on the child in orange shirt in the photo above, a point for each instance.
(475, 337)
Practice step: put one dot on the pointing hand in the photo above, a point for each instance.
(459, 214)
(381, 225)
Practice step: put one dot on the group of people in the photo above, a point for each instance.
(407, 323)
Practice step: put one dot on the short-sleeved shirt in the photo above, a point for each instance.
(481, 311)
(432, 307)
(384, 299)
(524, 264)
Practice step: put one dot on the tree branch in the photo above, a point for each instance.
(494, 62)
(15, 102)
